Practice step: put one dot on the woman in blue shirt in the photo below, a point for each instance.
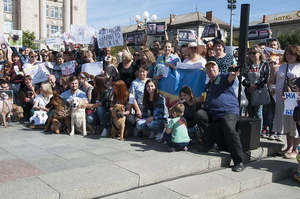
(155, 112)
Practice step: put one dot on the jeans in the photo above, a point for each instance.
(223, 132)
(153, 126)
(99, 117)
(268, 114)
(177, 146)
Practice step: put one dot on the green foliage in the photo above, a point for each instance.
(291, 38)
(28, 40)
(235, 40)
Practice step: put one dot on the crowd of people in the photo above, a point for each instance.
(132, 79)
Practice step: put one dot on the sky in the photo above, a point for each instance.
(110, 13)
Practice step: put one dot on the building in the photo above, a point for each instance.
(282, 22)
(193, 21)
(43, 17)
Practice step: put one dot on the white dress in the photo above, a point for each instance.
(282, 122)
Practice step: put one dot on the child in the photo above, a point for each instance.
(177, 134)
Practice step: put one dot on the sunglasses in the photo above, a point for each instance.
(136, 55)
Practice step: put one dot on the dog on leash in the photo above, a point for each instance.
(118, 121)
(78, 120)
(5, 107)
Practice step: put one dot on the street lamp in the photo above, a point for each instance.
(231, 6)
(138, 19)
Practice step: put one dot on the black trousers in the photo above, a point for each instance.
(223, 132)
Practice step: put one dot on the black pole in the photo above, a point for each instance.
(244, 22)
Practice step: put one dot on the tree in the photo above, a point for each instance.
(28, 40)
(235, 40)
(292, 38)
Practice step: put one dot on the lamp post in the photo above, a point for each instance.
(231, 6)
(142, 25)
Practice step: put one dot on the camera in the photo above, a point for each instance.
(233, 69)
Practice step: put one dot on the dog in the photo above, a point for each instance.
(60, 116)
(17, 113)
(118, 121)
(6, 107)
(78, 119)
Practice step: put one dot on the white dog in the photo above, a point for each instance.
(77, 116)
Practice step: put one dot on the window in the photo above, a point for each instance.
(61, 30)
(47, 10)
(53, 30)
(54, 12)
(7, 5)
(61, 12)
(8, 26)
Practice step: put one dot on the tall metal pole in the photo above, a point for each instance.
(231, 25)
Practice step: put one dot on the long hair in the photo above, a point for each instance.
(257, 49)
(46, 90)
(146, 100)
(187, 90)
(120, 93)
(293, 50)
(100, 84)
(149, 55)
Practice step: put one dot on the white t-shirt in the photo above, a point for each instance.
(293, 72)
(41, 100)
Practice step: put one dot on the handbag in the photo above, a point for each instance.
(260, 96)
(289, 84)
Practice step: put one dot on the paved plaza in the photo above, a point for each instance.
(49, 166)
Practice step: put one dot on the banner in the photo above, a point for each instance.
(259, 31)
(68, 68)
(290, 102)
(38, 72)
(82, 34)
(51, 41)
(156, 28)
(110, 37)
(209, 31)
(3, 42)
(185, 35)
(176, 79)
(15, 38)
(135, 38)
(95, 68)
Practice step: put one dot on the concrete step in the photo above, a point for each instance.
(287, 188)
(217, 184)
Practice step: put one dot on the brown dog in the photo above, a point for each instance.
(17, 113)
(118, 121)
(61, 113)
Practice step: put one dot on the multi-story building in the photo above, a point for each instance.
(43, 17)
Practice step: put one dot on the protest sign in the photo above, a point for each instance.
(209, 31)
(110, 37)
(3, 42)
(95, 68)
(51, 41)
(259, 31)
(68, 68)
(82, 34)
(156, 28)
(15, 38)
(135, 38)
(290, 102)
(185, 35)
(38, 72)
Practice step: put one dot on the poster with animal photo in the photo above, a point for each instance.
(259, 31)
(15, 38)
(68, 68)
(185, 35)
(109, 37)
(209, 31)
(135, 39)
(3, 42)
(156, 28)
(7, 95)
